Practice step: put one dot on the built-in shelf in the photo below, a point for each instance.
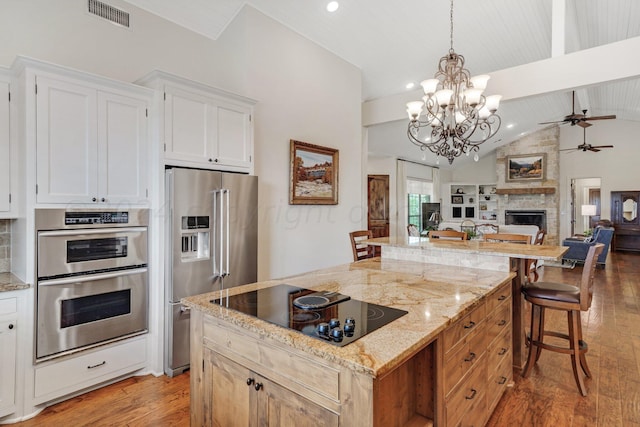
(529, 190)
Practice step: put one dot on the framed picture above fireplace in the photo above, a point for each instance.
(526, 167)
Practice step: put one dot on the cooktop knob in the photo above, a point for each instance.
(349, 327)
(334, 323)
(336, 334)
(350, 320)
(323, 328)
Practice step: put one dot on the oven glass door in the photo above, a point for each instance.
(88, 310)
(70, 252)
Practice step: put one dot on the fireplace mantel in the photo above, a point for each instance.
(527, 190)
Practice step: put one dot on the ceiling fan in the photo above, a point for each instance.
(579, 119)
(587, 147)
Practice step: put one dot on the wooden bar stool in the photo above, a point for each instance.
(447, 234)
(572, 299)
(361, 250)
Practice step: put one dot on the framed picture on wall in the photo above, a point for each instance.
(526, 167)
(313, 174)
(457, 200)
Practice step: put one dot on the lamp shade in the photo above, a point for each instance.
(588, 210)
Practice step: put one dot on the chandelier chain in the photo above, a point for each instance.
(451, 28)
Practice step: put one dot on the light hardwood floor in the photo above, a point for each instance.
(549, 397)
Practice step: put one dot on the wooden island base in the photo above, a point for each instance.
(243, 377)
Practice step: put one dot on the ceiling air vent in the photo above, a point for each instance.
(109, 13)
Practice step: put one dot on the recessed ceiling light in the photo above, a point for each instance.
(332, 6)
(410, 85)
(510, 125)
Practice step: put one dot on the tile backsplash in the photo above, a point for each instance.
(5, 245)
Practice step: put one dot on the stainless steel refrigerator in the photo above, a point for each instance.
(212, 239)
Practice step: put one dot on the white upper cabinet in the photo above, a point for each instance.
(202, 126)
(90, 143)
(5, 151)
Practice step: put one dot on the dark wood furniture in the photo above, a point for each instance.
(624, 214)
(361, 250)
(447, 234)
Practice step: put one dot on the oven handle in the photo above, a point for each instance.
(92, 231)
(92, 277)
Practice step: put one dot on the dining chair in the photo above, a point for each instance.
(569, 298)
(532, 264)
(361, 250)
(447, 235)
(508, 238)
(413, 231)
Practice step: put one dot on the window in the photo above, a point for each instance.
(419, 192)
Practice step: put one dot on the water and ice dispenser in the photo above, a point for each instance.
(195, 237)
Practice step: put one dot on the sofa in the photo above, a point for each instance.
(578, 247)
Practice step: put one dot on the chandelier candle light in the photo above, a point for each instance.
(460, 116)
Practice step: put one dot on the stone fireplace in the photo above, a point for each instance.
(526, 217)
(540, 196)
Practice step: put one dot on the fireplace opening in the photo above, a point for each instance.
(538, 218)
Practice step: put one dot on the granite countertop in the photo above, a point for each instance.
(516, 250)
(434, 296)
(9, 282)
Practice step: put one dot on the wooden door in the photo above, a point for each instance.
(594, 199)
(378, 201)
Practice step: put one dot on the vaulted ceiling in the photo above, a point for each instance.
(398, 42)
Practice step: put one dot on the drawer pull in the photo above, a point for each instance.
(502, 351)
(250, 381)
(470, 325)
(104, 362)
(472, 395)
(502, 298)
(502, 322)
(502, 380)
(10, 325)
(258, 386)
(472, 356)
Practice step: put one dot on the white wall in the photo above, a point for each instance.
(303, 92)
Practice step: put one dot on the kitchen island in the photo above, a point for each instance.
(448, 360)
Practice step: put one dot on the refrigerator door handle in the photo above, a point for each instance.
(228, 220)
(216, 239)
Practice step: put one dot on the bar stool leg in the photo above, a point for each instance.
(573, 317)
(540, 332)
(534, 338)
(583, 359)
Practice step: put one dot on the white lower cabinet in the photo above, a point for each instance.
(8, 345)
(63, 376)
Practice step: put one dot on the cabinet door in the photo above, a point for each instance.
(66, 142)
(189, 126)
(122, 149)
(228, 399)
(234, 137)
(278, 406)
(5, 149)
(8, 342)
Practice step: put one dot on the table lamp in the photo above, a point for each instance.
(588, 211)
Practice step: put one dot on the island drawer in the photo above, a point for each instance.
(463, 357)
(468, 396)
(298, 371)
(498, 321)
(499, 349)
(501, 296)
(463, 327)
(498, 381)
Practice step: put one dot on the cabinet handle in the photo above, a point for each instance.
(502, 380)
(250, 381)
(10, 325)
(472, 356)
(502, 322)
(470, 325)
(211, 160)
(94, 199)
(472, 395)
(104, 362)
(502, 298)
(215, 160)
(502, 351)
(103, 200)
(258, 386)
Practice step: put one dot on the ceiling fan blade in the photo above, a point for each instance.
(609, 117)
(602, 146)
(557, 121)
(584, 124)
(595, 150)
(569, 149)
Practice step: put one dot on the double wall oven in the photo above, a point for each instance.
(92, 285)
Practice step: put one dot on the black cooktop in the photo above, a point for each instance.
(327, 316)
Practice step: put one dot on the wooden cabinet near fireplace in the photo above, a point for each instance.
(624, 214)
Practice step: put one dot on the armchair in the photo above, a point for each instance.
(578, 248)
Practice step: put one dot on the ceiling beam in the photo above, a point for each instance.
(589, 67)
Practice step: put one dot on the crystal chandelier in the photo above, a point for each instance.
(460, 117)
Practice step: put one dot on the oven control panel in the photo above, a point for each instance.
(85, 218)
